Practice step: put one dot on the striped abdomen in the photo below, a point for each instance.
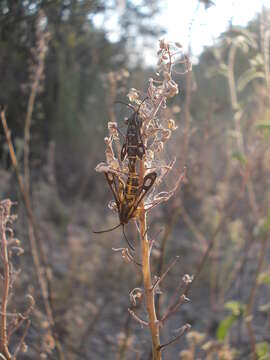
(127, 206)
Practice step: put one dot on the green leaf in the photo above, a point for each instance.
(263, 125)
(257, 61)
(243, 35)
(236, 307)
(225, 326)
(242, 44)
(262, 351)
(247, 77)
(234, 134)
(71, 39)
(265, 307)
(240, 157)
(267, 223)
(263, 226)
(223, 70)
(264, 278)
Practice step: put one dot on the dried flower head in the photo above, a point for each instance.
(113, 131)
(171, 125)
(186, 355)
(195, 337)
(187, 279)
(136, 295)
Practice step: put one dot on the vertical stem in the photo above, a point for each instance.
(4, 300)
(186, 139)
(149, 293)
(237, 124)
(27, 126)
(147, 282)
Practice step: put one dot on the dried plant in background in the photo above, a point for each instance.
(197, 342)
(38, 254)
(134, 174)
(10, 323)
(39, 258)
(36, 78)
(247, 148)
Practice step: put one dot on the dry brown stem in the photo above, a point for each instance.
(149, 293)
(4, 214)
(37, 70)
(7, 328)
(153, 323)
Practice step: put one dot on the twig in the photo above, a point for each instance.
(176, 301)
(183, 329)
(159, 279)
(136, 317)
(19, 346)
(193, 227)
(22, 317)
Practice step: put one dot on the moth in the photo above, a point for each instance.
(128, 196)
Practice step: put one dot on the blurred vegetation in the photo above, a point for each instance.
(223, 115)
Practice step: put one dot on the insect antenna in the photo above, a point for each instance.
(130, 106)
(113, 228)
(128, 242)
(123, 103)
(107, 230)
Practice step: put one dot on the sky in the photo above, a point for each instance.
(188, 22)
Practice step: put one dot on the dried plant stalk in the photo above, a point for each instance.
(147, 282)
(133, 179)
(37, 74)
(8, 328)
(4, 214)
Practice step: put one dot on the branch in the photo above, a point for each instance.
(159, 279)
(182, 331)
(136, 317)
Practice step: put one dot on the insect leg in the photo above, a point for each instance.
(128, 242)
(107, 230)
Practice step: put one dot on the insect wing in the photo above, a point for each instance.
(111, 179)
(140, 149)
(124, 151)
(148, 182)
